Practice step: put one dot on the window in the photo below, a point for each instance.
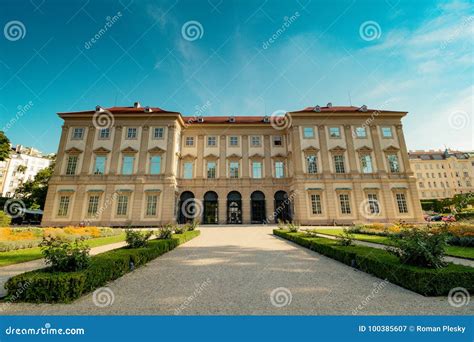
(189, 141)
(417, 166)
(63, 206)
(402, 203)
(155, 165)
(158, 133)
(279, 169)
(361, 132)
(312, 164)
(339, 163)
(316, 208)
(122, 205)
(151, 204)
(71, 165)
(366, 163)
(256, 169)
(234, 170)
(393, 163)
(277, 140)
(104, 133)
(93, 206)
(234, 141)
(421, 184)
(308, 132)
(256, 141)
(131, 133)
(373, 204)
(77, 133)
(188, 170)
(345, 204)
(211, 170)
(387, 132)
(211, 141)
(334, 132)
(99, 167)
(127, 165)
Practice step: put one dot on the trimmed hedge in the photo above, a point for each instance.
(44, 286)
(382, 264)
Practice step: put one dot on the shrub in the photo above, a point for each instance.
(181, 229)
(346, 238)
(293, 227)
(419, 247)
(193, 225)
(65, 256)
(165, 232)
(281, 224)
(5, 220)
(137, 238)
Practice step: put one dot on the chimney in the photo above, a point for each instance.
(329, 105)
(137, 105)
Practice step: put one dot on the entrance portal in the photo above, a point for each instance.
(282, 207)
(211, 208)
(257, 204)
(234, 207)
(187, 207)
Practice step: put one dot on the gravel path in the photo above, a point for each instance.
(235, 271)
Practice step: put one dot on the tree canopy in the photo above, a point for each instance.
(4, 146)
(33, 192)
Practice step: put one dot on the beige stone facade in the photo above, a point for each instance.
(320, 165)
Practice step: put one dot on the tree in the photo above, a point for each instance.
(33, 192)
(4, 147)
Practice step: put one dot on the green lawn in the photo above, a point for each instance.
(27, 254)
(456, 251)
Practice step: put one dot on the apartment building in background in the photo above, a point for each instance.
(442, 174)
(148, 166)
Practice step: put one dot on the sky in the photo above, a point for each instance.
(229, 57)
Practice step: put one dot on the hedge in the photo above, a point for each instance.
(464, 215)
(44, 286)
(382, 264)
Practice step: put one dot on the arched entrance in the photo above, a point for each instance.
(211, 208)
(257, 205)
(282, 206)
(234, 207)
(187, 207)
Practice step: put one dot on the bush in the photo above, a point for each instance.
(346, 238)
(5, 220)
(165, 232)
(419, 247)
(137, 238)
(65, 256)
(181, 229)
(382, 264)
(293, 227)
(193, 225)
(45, 286)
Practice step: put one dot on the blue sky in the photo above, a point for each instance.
(415, 56)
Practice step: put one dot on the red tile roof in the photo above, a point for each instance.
(225, 119)
(341, 109)
(123, 110)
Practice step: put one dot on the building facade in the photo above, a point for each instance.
(23, 165)
(442, 174)
(147, 166)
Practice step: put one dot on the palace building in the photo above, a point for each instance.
(142, 166)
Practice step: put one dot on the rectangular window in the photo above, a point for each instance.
(234, 170)
(393, 163)
(189, 141)
(387, 132)
(211, 170)
(155, 165)
(402, 204)
(312, 164)
(361, 132)
(77, 133)
(256, 141)
(339, 163)
(63, 206)
(373, 204)
(71, 165)
(277, 140)
(211, 141)
(256, 170)
(127, 165)
(345, 204)
(104, 133)
(151, 204)
(93, 206)
(131, 133)
(366, 163)
(122, 205)
(334, 132)
(279, 169)
(188, 170)
(234, 141)
(99, 167)
(158, 133)
(316, 204)
(308, 132)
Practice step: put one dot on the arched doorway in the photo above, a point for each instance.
(234, 207)
(187, 207)
(211, 208)
(282, 206)
(257, 205)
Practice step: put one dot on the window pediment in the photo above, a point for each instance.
(129, 150)
(188, 157)
(156, 150)
(256, 156)
(337, 149)
(234, 156)
(73, 151)
(101, 150)
(364, 149)
(279, 156)
(311, 149)
(391, 149)
(211, 157)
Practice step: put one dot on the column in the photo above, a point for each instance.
(403, 150)
(324, 149)
(79, 200)
(222, 158)
(296, 149)
(379, 154)
(62, 146)
(267, 150)
(245, 156)
(137, 206)
(87, 156)
(116, 150)
(199, 161)
(350, 149)
(143, 153)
